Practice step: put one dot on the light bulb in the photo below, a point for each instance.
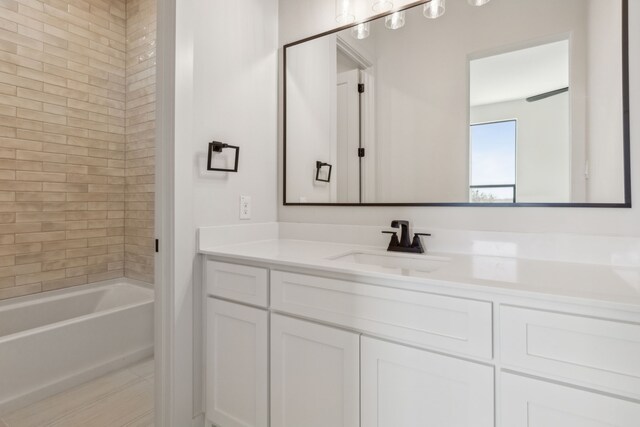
(361, 31)
(434, 9)
(345, 12)
(478, 2)
(380, 6)
(395, 20)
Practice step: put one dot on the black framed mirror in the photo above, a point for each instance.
(515, 103)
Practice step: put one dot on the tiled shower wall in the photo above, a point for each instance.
(63, 145)
(140, 137)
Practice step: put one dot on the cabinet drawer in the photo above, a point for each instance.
(237, 282)
(425, 320)
(527, 402)
(595, 352)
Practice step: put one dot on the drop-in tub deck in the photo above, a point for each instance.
(58, 339)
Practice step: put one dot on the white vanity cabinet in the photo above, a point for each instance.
(307, 349)
(237, 365)
(529, 402)
(314, 375)
(407, 387)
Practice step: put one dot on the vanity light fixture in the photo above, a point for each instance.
(380, 6)
(395, 21)
(435, 9)
(361, 31)
(345, 12)
(478, 2)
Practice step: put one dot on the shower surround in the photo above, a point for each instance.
(77, 102)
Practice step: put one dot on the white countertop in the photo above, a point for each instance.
(597, 283)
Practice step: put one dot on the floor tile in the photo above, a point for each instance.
(117, 409)
(144, 421)
(55, 407)
(143, 369)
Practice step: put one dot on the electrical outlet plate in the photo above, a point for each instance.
(245, 207)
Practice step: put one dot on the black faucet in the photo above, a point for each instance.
(404, 244)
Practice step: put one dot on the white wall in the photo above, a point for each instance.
(543, 151)
(303, 18)
(605, 85)
(225, 89)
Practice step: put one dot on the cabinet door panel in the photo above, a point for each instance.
(237, 364)
(406, 387)
(534, 403)
(314, 375)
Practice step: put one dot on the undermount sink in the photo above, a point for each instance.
(401, 263)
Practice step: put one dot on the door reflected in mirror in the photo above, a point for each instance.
(515, 102)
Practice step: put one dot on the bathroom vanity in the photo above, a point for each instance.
(305, 334)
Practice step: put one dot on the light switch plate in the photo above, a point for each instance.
(245, 207)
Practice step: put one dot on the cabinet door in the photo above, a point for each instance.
(527, 402)
(405, 387)
(314, 375)
(237, 365)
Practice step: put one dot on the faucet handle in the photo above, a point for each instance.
(422, 234)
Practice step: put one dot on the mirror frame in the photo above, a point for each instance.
(625, 113)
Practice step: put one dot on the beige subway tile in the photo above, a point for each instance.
(50, 285)
(64, 168)
(26, 217)
(26, 279)
(65, 187)
(18, 102)
(87, 179)
(79, 216)
(64, 206)
(40, 176)
(64, 264)
(11, 228)
(40, 257)
(41, 136)
(18, 291)
(21, 207)
(65, 244)
(64, 149)
(87, 197)
(86, 252)
(17, 249)
(41, 116)
(90, 269)
(40, 237)
(7, 239)
(37, 156)
(89, 233)
(20, 38)
(10, 175)
(19, 269)
(7, 260)
(40, 197)
(7, 196)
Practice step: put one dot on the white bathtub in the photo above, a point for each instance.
(55, 340)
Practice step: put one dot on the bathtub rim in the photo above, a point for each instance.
(62, 293)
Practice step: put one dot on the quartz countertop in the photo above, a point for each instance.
(516, 276)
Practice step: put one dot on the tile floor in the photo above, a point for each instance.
(120, 399)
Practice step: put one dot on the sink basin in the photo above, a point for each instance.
(393, 262)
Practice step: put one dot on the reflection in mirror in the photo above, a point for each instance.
(517, 101)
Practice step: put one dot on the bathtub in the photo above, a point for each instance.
(55, 340)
